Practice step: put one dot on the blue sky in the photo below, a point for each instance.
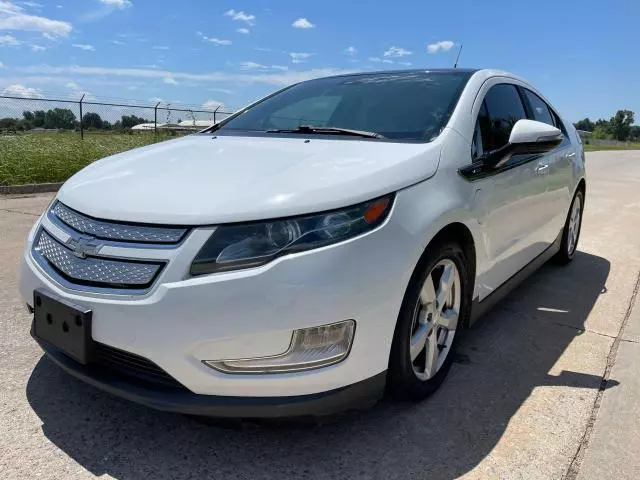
(583, 55)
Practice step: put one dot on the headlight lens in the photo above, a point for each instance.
(247, 245)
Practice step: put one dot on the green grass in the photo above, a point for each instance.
(54, 157)
(626, 146)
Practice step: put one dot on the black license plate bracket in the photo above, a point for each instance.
(63, 324)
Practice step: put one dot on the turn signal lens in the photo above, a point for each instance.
(310, 348)
(376, 210)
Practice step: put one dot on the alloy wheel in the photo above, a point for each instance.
(435, 319)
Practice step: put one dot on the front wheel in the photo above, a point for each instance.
(436, 305)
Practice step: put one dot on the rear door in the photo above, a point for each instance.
(511, 200)
(557, 163)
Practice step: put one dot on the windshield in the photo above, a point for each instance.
(400, 106)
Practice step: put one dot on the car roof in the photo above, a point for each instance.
(405, 71)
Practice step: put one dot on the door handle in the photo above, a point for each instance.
(542, 168)
(571, 155)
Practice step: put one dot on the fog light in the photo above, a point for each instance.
(310, 348)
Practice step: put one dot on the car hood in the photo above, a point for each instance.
(204, 179)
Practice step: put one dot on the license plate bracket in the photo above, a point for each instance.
(63, 324)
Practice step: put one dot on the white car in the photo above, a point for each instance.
(322, 245)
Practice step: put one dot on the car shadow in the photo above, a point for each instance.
(500, 362)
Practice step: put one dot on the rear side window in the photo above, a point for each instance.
(503, 109)
(539, 108)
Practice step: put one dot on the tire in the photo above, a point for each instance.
(406, 380)
(568, 247)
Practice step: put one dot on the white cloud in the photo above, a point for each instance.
(37, 48)
(397, 52)
(84, 46)
(259, 66)
(118, 3)
(48, 36)
(244, 31)
(240, 16)
(2, 65)
(14, 18)
(59, 6)
(170, 80)
(34, 5)
(160, 47)
(213, 104)
(18, 90)
(117, 42)
(8, 41)
(406, 64)
(351, 51)
(302, 23)
(299, 57)
(216, 41)
(443, 45)
(268, 78)
(380, 60)
(73, 86)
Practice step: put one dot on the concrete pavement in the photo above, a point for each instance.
(545, 387)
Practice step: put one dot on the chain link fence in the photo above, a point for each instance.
(19, 114)
(48, 139)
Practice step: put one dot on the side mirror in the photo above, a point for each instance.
(536, 137)
(527, 137)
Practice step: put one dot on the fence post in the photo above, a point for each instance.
(155, 118)
(214, 113)
(81, 124)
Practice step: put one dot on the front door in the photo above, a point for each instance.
(511, 202)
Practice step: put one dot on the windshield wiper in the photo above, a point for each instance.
(327, 130)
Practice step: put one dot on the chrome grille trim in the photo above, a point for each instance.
(115, 231)
(94, 271)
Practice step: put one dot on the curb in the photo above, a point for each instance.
(30, 188)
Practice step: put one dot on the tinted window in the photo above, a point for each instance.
(408, 105)
(504, 109)
(539, 109)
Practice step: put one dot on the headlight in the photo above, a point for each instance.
(252, 244)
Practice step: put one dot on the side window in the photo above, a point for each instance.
(540, 110)
(503, 108)
(310, 111)
(482, 130)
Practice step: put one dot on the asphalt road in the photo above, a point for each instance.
(547, 386)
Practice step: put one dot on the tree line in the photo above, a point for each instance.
(619, 127)
(65, 119)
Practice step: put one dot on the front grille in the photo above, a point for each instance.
(95, 271)
(121, 363)
(116, 231)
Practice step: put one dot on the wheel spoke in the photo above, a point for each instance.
(431, 355)
(428, 292)
(444, 286)
(418, 341)
(449, 319)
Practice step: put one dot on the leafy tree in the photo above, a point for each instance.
(92, 120)
(38, 118)
(62, 118)
(585, 124)
(620, 124)
(8, 123)
(634, 133)
(129, 121)
(601, 132)
(28, 116)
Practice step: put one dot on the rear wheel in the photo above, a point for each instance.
(435, 307)
(571, 232)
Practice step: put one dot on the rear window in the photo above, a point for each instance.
(400, 106)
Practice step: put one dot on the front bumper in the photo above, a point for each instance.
(182, 400)
(183, 321)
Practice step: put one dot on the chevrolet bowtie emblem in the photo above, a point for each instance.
(82, 247)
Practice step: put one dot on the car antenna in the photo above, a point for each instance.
(455, 65)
